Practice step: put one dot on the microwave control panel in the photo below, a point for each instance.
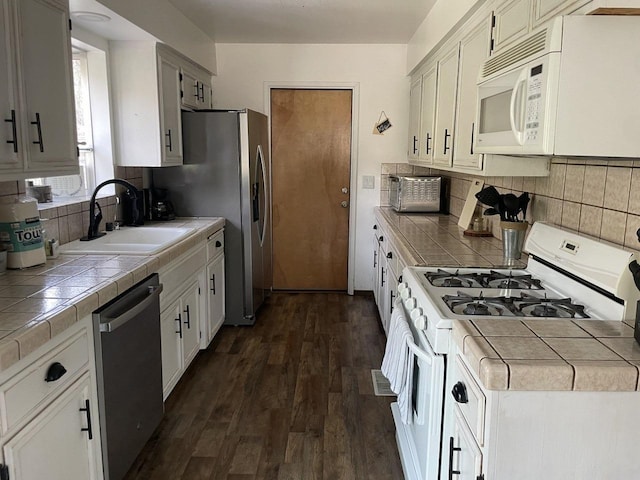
(534, 103)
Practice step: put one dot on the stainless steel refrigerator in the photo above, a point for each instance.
(227, 173)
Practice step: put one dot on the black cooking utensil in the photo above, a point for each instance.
(488, 195)
(491, 211)
(524, 202)
(512, 206)
(499, 207)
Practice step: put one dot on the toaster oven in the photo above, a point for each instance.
(415, 193)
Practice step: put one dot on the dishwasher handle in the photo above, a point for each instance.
(114, 323)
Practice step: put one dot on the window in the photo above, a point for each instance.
(93, 128)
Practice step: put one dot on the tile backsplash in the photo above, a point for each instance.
(70, 222)
(599, 198)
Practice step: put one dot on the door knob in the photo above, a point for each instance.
(344, 204)
(345, 190)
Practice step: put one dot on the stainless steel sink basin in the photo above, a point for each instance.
(130, 241)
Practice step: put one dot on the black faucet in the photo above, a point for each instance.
(95, 219)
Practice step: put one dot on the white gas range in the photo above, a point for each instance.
(567, 276)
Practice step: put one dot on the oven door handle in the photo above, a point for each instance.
(421, 354)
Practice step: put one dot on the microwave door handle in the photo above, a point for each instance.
(516, 112)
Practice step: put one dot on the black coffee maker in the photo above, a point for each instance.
(160, 206)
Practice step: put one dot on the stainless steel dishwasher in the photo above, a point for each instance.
(129, 371)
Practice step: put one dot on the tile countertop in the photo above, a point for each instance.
(39, 302)
(437, 240)
(524, 355)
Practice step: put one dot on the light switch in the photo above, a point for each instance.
(368, 181)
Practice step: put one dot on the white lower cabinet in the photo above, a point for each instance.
(56, 445)
(49, 410)
(465, 457)
(214, 306)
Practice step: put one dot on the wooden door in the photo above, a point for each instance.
(311, 159)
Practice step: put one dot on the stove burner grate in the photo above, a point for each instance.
(531, 306)
(483, 279)
(464, 304)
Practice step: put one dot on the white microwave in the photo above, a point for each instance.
(571, 88)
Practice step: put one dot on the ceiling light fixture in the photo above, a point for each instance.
(90, 17)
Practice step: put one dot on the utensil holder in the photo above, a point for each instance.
(513, 234)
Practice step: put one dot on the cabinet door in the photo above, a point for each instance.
(464, 451)
(170, 111)
(427, 114)
(445, 107)
(190, 323)
(215, 296)
(56, 444)
(171, 341)
(474, 49)
(206, 94)
(10, 137)
(414, 118)
(48, 86)
(544, 10)
(512, 21)
(190, 89)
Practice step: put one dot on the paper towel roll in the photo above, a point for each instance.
(21, 233)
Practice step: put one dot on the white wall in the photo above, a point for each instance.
(442, 18)
(379, 70)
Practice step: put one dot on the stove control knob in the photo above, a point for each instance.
(421, 322)
(409, 303)
(405, 293)
(415, 313)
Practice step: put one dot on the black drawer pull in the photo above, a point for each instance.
(179, 320)
(39, 127)
(459, 393)
(218, 244)
(452, 449)
(170, 144)
(213, 283)
(55, 372)
(188, 318)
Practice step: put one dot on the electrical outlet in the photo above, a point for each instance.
(368, 182)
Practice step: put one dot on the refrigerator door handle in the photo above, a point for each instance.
(263, 170)
(256, 202)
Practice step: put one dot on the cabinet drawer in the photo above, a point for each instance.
(24, 392)
(473, 409)
(215, 245)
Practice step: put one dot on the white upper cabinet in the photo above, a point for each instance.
(445, 107)
(427, 119)
(474, 50)
(36, 90)
(196, 88)
(544, 10)
(512, 20)
(414, 118)
(171, 124)
(146, 91)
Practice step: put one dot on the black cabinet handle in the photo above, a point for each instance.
(473, 127)
(202, 91)
(14, 131)
(393, 297)
(55, 372)
(428, 144)
(459, 393)
(375, 258)
(39, 127)
(382, 278)
(87, 410)
(415, 142)
(452, 449)
(179, 320)
(187, 322)
(213, 283)
(170, 145)
(446, 138)
(389, 255)
(218, 244)
(375, 227)
(380, 238)
(197, 94)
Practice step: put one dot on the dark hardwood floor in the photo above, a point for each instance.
(290, 398)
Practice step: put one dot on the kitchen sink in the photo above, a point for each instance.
(129, 241)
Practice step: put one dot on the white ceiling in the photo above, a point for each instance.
(306, 21)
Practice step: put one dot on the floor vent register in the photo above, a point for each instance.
(381, 384)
